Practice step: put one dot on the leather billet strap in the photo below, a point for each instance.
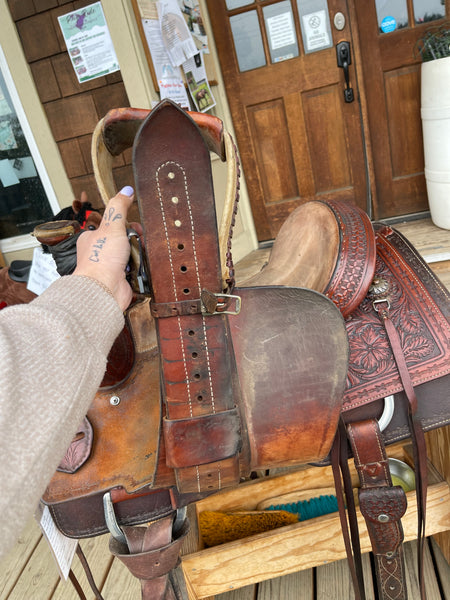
(176, 200)
(382, 506)
(116, 132)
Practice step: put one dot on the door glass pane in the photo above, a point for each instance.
(248, 40)
(237, 3)
(315, 25)
(428, 10)
(280, 30)
(392, 15)
(23, 199)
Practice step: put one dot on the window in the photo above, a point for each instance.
(26, 195)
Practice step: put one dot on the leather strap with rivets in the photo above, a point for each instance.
(382, 506)
(176, 201)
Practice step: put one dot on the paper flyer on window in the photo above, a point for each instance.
(197, 83)
(4, 106)
(194, 21)
(170, 79)
(175, 90)
(88, 42)
(315, 27)
(7, 137)
(175, 33)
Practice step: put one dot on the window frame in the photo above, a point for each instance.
(25, 241)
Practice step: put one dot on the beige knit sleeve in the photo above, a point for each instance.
(53, 357)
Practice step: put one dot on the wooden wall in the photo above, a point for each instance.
(72, 109)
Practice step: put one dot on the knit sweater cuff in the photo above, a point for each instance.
(96, 311)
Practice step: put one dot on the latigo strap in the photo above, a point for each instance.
(176, 200)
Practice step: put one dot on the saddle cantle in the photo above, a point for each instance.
(220, 380)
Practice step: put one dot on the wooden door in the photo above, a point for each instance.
(298, 138)
(391, 74)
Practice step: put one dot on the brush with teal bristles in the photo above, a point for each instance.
(306, 504)
(309, 509)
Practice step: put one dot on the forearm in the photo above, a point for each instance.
(41, 407)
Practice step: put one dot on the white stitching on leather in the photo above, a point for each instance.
(172, 270)
(174, 282)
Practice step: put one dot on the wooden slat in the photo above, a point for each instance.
(290, 587)
(442, 270)
(39, 578)
(438, 442)
(99, 560)
(334, 581)
(246, 593)
(442, 569)
(120, 584)
(14, 563)
(431, 241)
(412, 580)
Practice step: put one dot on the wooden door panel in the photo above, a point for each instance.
(297, 138)
(402, 90)
(273, 150)
(391, 71)
(327, 141)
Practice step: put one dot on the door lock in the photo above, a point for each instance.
(344, 59)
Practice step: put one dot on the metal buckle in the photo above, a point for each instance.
(380, 301)
(111, 521)
(117, 532)
(180, 519)
(215, 304)
(141, 275)
(388, 413)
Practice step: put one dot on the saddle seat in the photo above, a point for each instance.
(305, 251)
(328, 247)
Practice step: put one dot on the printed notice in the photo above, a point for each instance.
(175, 33)
(281, 31)
(175, 90)
(315, 28)
(160, 58)
(198, 85)
(62, 547)
(88, 42)
(43, 271)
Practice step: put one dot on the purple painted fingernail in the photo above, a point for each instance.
(127, 191)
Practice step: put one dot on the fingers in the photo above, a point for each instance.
(103, 254)
(115, 215)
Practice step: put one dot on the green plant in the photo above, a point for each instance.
(435, 43)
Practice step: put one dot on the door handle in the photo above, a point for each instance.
(344, 59)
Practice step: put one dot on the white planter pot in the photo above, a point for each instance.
(435, 112)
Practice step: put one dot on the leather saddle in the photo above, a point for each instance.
(210, 381)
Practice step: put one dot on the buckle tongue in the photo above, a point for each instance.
(219, 304)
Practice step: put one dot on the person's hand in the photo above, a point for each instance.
(103, 254)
